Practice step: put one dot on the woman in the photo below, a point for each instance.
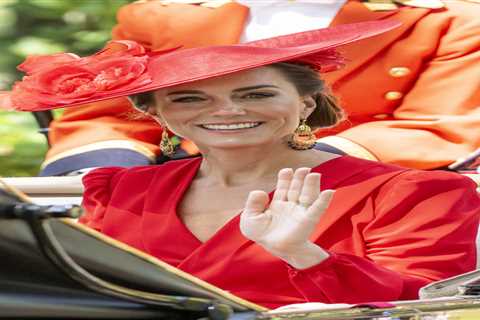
(335, 228)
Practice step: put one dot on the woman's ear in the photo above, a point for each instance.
(309, 106)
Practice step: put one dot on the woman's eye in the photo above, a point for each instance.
(258, 95)
(188, 99)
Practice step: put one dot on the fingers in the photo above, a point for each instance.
(310, 190)
(296, 184)
(257, 202)
(319, 206)
(253, 221)
(291, 186)
(283, 183)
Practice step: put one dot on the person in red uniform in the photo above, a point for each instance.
(261, 213)
(411, 95)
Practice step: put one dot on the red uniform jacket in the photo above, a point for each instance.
(412, 94)
(389, 231)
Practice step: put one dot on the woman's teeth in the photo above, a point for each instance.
(233, 126)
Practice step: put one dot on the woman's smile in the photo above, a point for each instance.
(230, 126)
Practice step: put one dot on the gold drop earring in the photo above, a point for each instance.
(166, 145)
(303, 137)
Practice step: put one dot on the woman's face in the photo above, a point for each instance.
(245, 109)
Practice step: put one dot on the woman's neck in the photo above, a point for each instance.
(233, 167)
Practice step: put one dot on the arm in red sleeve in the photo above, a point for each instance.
(423, 228)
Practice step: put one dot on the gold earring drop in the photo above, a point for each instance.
(166, 145)
(303, 137)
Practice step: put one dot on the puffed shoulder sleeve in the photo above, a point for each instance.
(98, 185)
(426, 224)
(422, 228)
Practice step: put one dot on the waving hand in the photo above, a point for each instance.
(284, 226)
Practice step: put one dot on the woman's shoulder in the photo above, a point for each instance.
(347, 168)
(109, 176)
(432, 181)
(114, 175)
(352, 170)
(127, 187)
(395, 190)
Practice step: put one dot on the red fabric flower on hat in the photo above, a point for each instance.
(63, 79)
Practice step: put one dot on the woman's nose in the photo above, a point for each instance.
(228, 109)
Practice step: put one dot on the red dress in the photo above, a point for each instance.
(389, 231)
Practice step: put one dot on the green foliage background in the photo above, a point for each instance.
(42, 27)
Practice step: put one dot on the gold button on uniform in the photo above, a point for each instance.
(398, 72)
(393, 95)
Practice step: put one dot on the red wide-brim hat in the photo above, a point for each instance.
(125, 68)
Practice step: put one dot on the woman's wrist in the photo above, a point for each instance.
(304, 256)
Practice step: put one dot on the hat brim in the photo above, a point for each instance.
(188, 65)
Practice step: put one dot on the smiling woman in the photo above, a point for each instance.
(250, 108)
(262, 213)
(305, 80)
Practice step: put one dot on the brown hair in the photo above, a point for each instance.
(142, 101)
(307, 82)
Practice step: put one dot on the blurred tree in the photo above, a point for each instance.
(43, 27)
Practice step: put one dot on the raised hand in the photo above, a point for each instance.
(283, 228)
